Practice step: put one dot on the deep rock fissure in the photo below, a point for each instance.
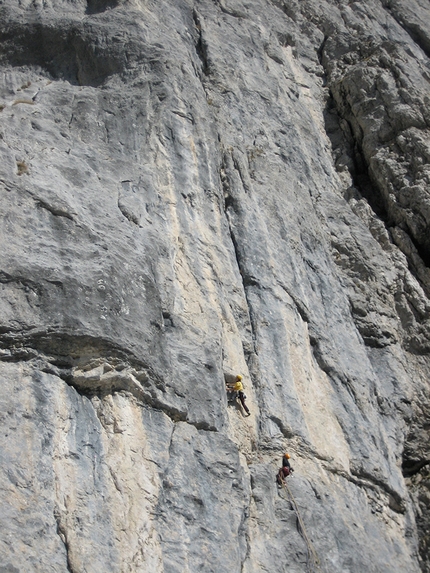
(201, 46)
(423, 253)
(369, 189)
(360, 171)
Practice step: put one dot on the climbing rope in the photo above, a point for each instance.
(313, 563)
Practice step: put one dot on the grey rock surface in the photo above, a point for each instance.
(191, 190)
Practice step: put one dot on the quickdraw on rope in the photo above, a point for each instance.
(313, 563)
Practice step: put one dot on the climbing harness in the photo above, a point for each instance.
(313, 563)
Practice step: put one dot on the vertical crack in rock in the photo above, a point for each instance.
(62, 533)
(244, 534)
(201, 45)
(247, 280)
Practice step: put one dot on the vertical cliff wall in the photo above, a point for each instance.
(201, 188)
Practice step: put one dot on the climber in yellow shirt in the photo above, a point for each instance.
(238, 388)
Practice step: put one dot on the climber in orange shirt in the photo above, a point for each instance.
(286, 469)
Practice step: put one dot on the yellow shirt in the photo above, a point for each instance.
(238, 387)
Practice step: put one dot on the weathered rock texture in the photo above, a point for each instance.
(192, 189)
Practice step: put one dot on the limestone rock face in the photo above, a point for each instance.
(192, 190)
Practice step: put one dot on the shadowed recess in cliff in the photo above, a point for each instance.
(412, 467)
(370, 152)
(96, 367)
(98, 6)
(64, 53)
(84, 54)
(347, 154)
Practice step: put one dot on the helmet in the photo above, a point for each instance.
(287, 456)
(239, 377)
